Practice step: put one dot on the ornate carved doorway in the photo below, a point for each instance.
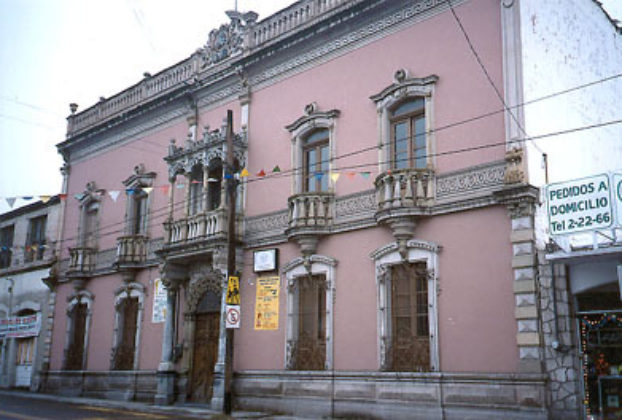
(205, 348)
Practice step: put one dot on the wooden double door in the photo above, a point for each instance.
(205, 354)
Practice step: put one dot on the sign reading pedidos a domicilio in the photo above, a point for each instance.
(580, 205)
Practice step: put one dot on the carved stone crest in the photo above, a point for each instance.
(228, 40)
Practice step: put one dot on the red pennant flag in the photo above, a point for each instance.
(261, 173)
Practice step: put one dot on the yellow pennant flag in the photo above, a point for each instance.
(244, 173)
(334, 176)
(44, 198)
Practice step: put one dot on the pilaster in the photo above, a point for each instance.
(520, 200)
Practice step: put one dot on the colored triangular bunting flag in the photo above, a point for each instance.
(319, 175)
(114, 195)
(44, 198)
(261, 173)
(276, 169)
(365, 174)
(148, 190)
(334, 176)
(351, 175)
(244, 173)
(10, 201)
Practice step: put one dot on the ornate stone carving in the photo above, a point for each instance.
(228, 40)
(514, 173)
(469, 180)
(202, 278)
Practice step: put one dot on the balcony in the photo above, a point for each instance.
(405, 192)
(311, 212)
(196, 234)
(131, 250)
(310, 216)
(81, 261)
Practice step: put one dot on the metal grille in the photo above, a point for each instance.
(410, 343)
(75, 352)
(310, 346)
(124, 355)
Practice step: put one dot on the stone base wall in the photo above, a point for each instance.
(384, 395)
(114, 385)
(562, 360)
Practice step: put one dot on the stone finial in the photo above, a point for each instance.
(310, 108)
(73, 107)
(400, 75)
(146, 75)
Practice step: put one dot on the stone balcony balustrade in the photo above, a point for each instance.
(310, 216)
(81, 260)
(200, 226)
(131, 250)
(311, 211)
(404, 192)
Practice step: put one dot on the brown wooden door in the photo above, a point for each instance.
(205, 356)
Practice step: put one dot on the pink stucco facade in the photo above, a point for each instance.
(451, 216)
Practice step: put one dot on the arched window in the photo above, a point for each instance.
(128, 320)
(196, 190)
(316, 156)
(77, 333)
(405, 121)
(408, 135)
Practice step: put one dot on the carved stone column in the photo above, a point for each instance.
(520, 201)
(172, 276)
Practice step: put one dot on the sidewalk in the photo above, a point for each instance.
(188, 410)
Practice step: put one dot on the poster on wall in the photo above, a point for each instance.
(267, 303)
(20, 326)
(159, 302)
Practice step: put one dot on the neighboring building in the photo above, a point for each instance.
(575, 49)
(27, 256)
(385, 221)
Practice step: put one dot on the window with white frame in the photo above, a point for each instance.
(407, 305)
(138, 186)
(405, 120)
(311, 287)
(313, 146)
(35, 239)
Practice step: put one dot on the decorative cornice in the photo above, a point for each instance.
(315, 258)
(411, 244)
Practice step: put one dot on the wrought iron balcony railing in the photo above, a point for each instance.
(204, 225)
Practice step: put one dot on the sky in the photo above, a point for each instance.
(53, 53)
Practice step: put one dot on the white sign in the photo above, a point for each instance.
(159, 302)
(616, 194)
(580, 205)
(20, 326)
(233, 316)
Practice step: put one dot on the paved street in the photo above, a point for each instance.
(20, 408)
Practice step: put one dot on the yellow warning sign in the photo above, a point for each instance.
(233, 291)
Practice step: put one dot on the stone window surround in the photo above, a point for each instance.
(303, 127)
(130, 290)
(302, 267)
(82, 296)
(387, 256)
(403, 89)
(91, 197)
(136, 182)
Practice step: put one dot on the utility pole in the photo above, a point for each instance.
(230, 182)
